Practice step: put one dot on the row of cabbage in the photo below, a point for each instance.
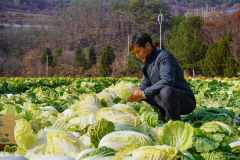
(66, 118)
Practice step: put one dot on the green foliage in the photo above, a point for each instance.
(218, 60)
(91, 56)
(125, 141)
(106, 59)
(17, 49)
(185, 42)
(46, 53)
(173, 130)
(204, 144)
(99, 130)
(57, 55)
(218, 155)
(147, 12)
(101, 151)
(133, 63)
(206, 133)
(10, 148)
(205, 2)
(80, 59)
(150, 117)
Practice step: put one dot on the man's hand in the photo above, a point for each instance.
(137, 95)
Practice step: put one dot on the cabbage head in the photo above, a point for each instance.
(99, 130)
(125, 108)
(23, 134)
(124, 90)
(155, 153)
(125, 141)
(62, 142)
(177, 134)
(117, 117)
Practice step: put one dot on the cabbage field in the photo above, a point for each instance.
(89, 119)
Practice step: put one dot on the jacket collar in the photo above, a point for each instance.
(151, 57)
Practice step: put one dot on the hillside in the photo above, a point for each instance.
(85, 24)
(178, 5)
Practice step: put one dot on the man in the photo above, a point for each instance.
(163, 84)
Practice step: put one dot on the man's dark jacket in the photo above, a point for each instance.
(162, 69)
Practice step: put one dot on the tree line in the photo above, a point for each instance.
(83, 61)
(199, 48)
(81, 26)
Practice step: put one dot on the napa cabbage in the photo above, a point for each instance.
(177, 134)
(124, 90)
(23, 134)
(117, 117)
(62, 142)
(99, 130)
(125, 141)
(155, 152)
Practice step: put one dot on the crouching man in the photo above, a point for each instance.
(163, 83)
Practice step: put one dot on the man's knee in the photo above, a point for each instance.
(167, 93)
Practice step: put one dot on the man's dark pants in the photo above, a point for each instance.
(173, 103)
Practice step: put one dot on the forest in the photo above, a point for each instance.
(77, 35)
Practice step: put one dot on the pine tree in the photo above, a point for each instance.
(133, 63)
(46, 53)
(80, 59)
(57, 55)
(218, 60)
(106, 59)
(185, 42)
(91, 56)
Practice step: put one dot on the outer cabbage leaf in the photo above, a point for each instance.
(235, 147)
(125, 108)
(124, 90)
(99, 130)
(86, 99)
(145, 106)
(150, 117)
(8, 110)
(135, 105)
(204, 144)
(81, 122)
(106, 97)
(156, 133)
(215, 155)
(117, 117)
(102, 151)
(154, 153)
(218, 137)
(85, 139)
(87, 108)
(62, 142)
(177, 134)
(23, 134)
(125, 141)
(218, 127)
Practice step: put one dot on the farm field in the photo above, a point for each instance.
(89, 118)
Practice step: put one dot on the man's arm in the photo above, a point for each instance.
(145, 83)
(167, 71)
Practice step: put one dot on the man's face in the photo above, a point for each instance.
(142, 52)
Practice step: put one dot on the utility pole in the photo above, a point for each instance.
(207, 11)
(128, 45)
(160, 20)
(127, 51)
(47, 67)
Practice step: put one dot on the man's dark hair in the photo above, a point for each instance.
(140, 38)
